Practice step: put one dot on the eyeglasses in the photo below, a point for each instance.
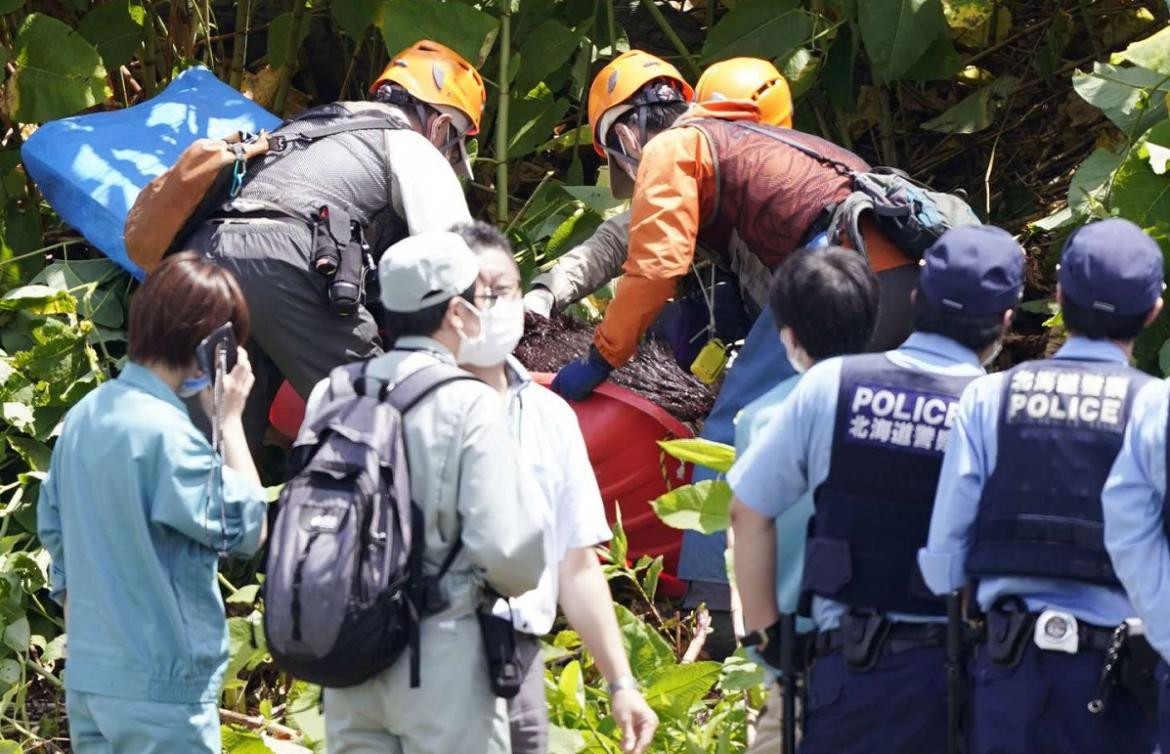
(496, 293)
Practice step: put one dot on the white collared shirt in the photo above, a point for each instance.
(552, 451)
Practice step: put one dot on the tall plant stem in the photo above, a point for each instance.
(290, 56)
(149, 53)
(240, 43)
(611, 27)
(673, 36)
(502, 115)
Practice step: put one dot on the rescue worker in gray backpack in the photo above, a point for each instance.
(409, 511)
(341, 181)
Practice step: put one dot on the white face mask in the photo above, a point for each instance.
(994, 353)
(500, 329)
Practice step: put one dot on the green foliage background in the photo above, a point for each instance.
(1047, 113)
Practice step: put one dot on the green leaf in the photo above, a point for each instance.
(940, 62)
(704, 506)
(739, 673)
(278, 38)
(97, 284)
(1062, 218)
(534, 117)
(564, 741)
(646, 649)
(650, 579)
(239, 741)
(466, 30)
(10, 6)
(34, 453)
(597, 198)
(838, 71)
(1157, 155)
(800, 69)
(545, 49)
(896, 33)
(115, 29)
(1133, 98)
(572, 688)
(37, 299)
(976, 111)
(1090, 183)
(673, 690)
(19, 415)
(17, 635)
(1139, 194)
(246, 645)
(9, 673)
(1153, 52)
(761, 28)
(713, 455)
(618, 544)
(355, 16)
(304, 710)
(245, 595)
(1164, 359)
(58, 72)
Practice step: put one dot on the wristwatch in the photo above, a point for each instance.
(622, 683)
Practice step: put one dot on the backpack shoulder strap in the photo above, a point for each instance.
(414, 387)
(279, 142)
(777, 135)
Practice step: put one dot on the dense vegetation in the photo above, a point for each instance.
(1044, 112)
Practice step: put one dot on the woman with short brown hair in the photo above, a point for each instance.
(133, 513)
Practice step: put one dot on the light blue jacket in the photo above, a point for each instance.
(133, 535)
(1134, 506)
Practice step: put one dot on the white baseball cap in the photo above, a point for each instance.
(426, 269)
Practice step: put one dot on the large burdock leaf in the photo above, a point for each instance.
(976, 111)
(465, 29)
(1153, 52)
(1133, 98)
(763, 28)
(115, 29)
(58, 72)
(1139, 193)
(897, 32)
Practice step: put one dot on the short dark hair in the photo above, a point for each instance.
(829, 297)
(480, 236)
(183, 301)
(1098, 325)
(976, 332)
(425, 321)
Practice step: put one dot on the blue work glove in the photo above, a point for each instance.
(577, 379)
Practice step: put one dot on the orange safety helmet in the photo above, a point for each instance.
(621, 79)
(752, 79)
(437, 75)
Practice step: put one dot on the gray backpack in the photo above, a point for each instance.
(345, 589)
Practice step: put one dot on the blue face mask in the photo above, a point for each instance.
(193, 386)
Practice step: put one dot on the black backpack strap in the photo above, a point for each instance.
(280, 142)
(777, 134)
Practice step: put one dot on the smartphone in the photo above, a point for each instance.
(205, 352)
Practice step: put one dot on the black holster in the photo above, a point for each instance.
(1009, 629)
(341, 254)
(863, 634)
(1136, 673)
(505, 673)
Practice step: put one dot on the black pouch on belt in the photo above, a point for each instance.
(862, 637)
(499, 642)
(1136, 674)
(1009, 629)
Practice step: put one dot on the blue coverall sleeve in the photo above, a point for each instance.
(181, 499)
(49, 532)
(960, 486)
(773, 474)
(1133, 502)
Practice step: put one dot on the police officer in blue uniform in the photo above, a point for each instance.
(1019, 512)
(1137, 529)
(866, 434)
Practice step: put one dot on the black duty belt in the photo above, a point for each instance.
(900, 637)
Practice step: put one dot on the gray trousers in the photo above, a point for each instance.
(528, 710)
(295, 336)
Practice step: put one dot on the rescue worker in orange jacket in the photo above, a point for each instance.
(590, 265)
(713, 176)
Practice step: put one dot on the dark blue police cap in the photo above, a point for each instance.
(1111, 266)
(973, 270)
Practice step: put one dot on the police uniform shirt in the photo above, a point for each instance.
(969, 463)
(1133, 504)
(791, 456)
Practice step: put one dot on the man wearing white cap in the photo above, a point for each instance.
(463, 474)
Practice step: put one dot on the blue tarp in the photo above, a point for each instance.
(91, 167)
